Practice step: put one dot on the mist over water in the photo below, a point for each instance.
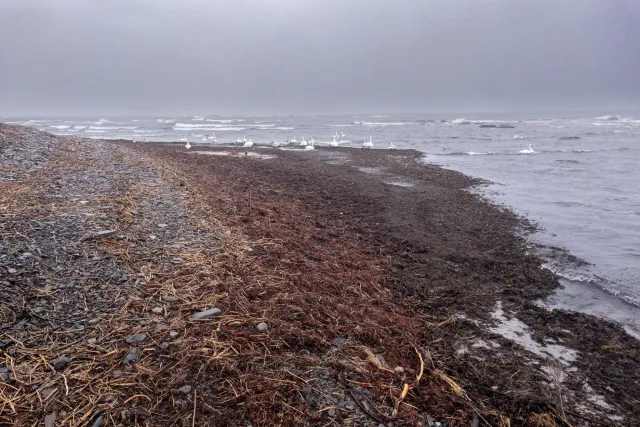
(579, 184)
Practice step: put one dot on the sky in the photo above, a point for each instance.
(85, 57)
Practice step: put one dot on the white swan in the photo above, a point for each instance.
(342, 135)
(134, 140)
(294, 140)
(244, 138)
(239, 141)
(303, 142)
(204, 139)
(213, 137)
(276, 143)
(391, 146)
(248, 144)
(187, 145)
(528, 150)
(334, 142)
(367, 144)
(310, 146)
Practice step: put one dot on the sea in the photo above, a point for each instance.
(579, 181)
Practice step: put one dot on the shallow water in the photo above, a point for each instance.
(580, 184)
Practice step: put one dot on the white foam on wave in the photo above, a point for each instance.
(381, 123)
(518, 137)
(60, 126)
(227, 121)
(380, 116)
(106, 128)
(341, 126)
(283, 128)
(473, 153)
(101, 121)
(517, 331)
(146, 131)
(80, 127)
(165, 121)
(460, 121)
(262, 125)
(95, 131)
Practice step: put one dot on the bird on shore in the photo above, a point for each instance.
(276, 143)
(528, 150)
(310, 146)
(204, 139)
(342, 135)
(391, 146)
(187, 145)
(334, 142)
(213, 137)
(134, 140)
(294, 140)
(367, 144)
(303, 142)
(248, 144)
(238, 141)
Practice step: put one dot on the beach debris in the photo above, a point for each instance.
(262, 326)
(45, 393)
(157, 310)
(206, 314)
(50, 419)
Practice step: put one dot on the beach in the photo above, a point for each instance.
(352, 287)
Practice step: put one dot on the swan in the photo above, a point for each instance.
(239, 141)
(134, 140)
(367, 144)
(248, 144)
(244, 138)
(528, 150)
(334, 142)
(342, 135)
(391, 146)
(204, 139)
(276, 143)
(187, 145)
(294, 140)
(213, 137)
(310, 146)
(303, 142)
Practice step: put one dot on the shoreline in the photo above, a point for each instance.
(367, 266)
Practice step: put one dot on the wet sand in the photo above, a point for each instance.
(389, 293)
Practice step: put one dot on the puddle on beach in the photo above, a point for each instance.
(517, 331)
(236, 154)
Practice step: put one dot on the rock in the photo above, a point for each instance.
(61, 362)
(399, 369)
(46, 392)
(185, 389)
(157, 310)
(173, 334)
(4, 376)
(262, 327)
(331, 413)
(170, 298)
(92, 340)
(98, 421)
(132, 357)
(117, 374)
(212, 312)
(105, 233)
(161, 327)
(162, 225)
(136, 338)
(164, 345)
(93, 321)
(50, 420)
(38, 310)
(12, 271)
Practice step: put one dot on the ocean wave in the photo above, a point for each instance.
(609, 118)
(80, 127)
(518, 137)
(284, 128)
(262, 126)
(460, 121)
(468, 153)
(147, 131)
(226, 120)
(341, 126)
(569, 138)
(60, 126)
(566, 161)
(381, 123)
(95, 131)
(379, 116)
(165, 121)
(113, 127)
(101, 122)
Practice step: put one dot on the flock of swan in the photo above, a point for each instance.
(336, 140)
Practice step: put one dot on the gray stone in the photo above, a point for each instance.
(4, 376)
(173, 334)
(136, 338)
(262, 327)
(162, 225)
(106, 233)
(170, 298)
(132, 357)
(12, 271)
(164, 345)
(117, 374)
(185, 389)
(157, 310)
(93, 321)
(47, 392)
(61, 362)
(331, 412)
(98, 421)
(212, 312)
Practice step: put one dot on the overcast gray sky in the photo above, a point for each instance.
(316, 56)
